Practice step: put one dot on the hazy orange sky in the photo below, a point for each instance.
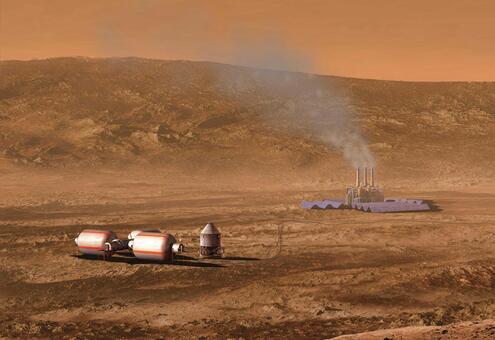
(384, 39)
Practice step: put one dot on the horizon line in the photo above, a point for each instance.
(247, 66)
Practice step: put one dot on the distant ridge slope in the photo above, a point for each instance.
(68, 112)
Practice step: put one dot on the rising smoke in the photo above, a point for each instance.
(335, 127)
(333, 121)
(311, 105)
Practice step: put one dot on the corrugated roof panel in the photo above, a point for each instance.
(389, 205)
(325, 204)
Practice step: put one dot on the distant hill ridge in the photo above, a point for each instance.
(67, 112)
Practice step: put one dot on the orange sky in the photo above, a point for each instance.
(385, 39)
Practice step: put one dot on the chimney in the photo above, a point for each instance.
(372, 172)
(358, 177)
(365, 176)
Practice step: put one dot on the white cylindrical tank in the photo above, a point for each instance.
(133, 233)
(92, 242)
(153, 246)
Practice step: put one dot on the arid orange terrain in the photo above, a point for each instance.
(122, 144)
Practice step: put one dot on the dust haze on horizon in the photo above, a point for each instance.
(273, 52)
(385, 39)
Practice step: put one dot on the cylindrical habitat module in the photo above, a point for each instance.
(92, 242)
(133, 233)
(153, 246)
(210, 242)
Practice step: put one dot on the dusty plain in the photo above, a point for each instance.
(289, 273)
(128, 143)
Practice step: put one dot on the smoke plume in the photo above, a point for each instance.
(309, 105)
(333, 120)
(313, 106)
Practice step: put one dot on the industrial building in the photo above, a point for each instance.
(367, 196)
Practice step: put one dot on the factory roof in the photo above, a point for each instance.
(325, 204)
(389, 205)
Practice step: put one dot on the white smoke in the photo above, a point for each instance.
(333, 122)
(353, 146)
(314, 105)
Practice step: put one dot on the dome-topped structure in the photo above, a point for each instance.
(210, 243)
(210, 229)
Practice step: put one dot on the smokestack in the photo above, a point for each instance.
(358, 177)
(365, 176)
(372, 172)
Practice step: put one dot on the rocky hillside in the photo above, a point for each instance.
(481, 330)
(199, 116)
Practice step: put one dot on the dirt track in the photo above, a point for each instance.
(335, 272)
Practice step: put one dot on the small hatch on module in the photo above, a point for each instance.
(365, 190)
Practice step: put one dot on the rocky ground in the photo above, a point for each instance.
(462, 330)
(87, 113)
(288, 272)
(127, 143)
